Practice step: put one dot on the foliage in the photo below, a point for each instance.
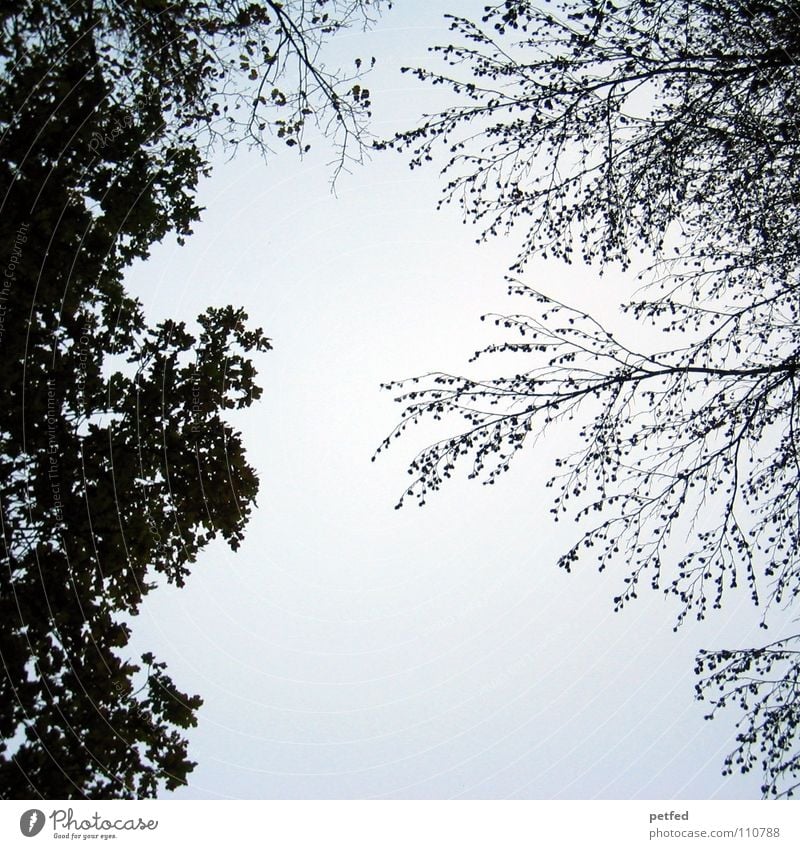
(185, 74)
(669, 129)
(117, 461)
(763, 682)
(607, 123)
(133, 481)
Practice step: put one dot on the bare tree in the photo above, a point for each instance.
(763, 683)
(669, 129)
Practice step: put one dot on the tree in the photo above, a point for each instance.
(108, 494)
(668, 129)
(190, 73)
(117, 461)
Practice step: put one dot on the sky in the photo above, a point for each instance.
(351, 650)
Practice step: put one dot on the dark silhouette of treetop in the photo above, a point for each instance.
(597, 126)
(668, 131)
(117, 459)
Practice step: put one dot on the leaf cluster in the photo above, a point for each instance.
(117, 459)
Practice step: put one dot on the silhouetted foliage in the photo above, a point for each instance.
(100, 499)
(763, 683)
(670, 129)
(116, 459)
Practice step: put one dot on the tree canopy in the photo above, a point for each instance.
(116, 458)
(665, 130)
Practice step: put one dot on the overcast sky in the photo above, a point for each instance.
(349, 650)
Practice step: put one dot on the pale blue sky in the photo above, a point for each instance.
(350, 650)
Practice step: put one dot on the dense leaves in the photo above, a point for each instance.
(99, 501)
(666, 129)
(117, 462)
